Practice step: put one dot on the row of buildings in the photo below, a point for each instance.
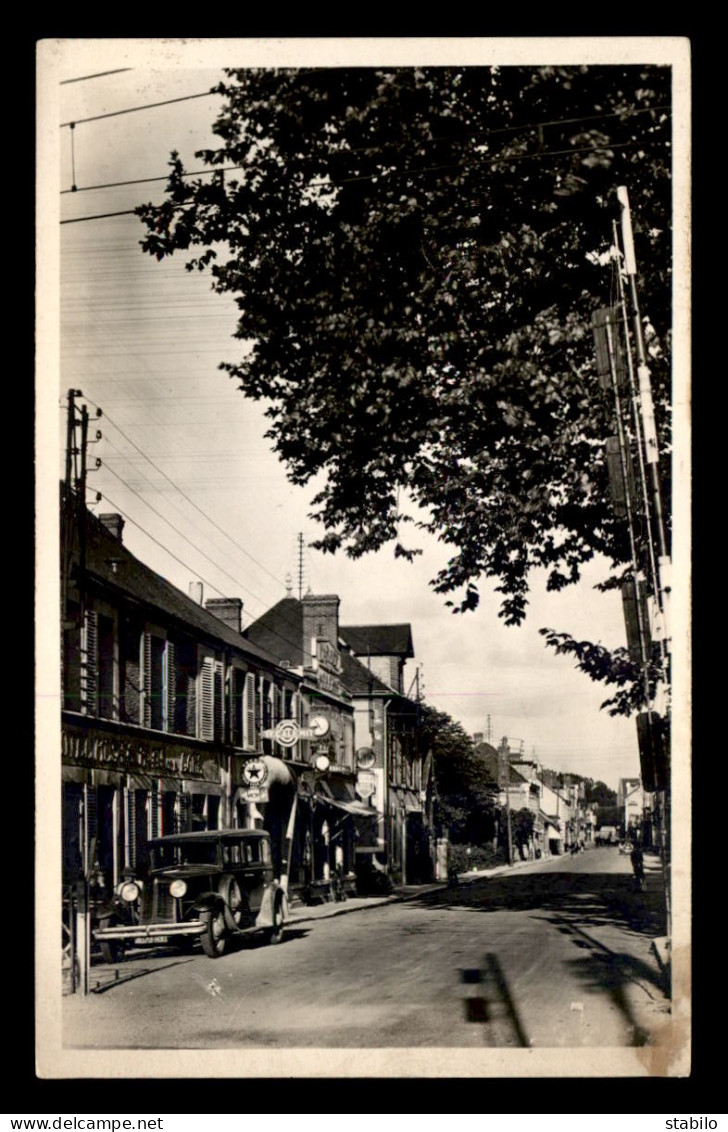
(175, 719)
(560, 814)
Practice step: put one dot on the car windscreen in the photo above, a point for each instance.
(164, 855)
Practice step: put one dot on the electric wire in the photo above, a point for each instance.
(185, 496)
(134, 109)
(98, 75)
(181, 534)
(393, 173)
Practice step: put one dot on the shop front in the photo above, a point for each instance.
(121, 789)
(311, 815)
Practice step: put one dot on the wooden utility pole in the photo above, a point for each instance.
(504, 772)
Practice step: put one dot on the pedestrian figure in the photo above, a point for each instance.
(638, 865)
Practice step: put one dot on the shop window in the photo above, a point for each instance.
(169, 812)
(213, 811)
(72, 832)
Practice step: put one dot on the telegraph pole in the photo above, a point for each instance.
(504, 772)
(619, 341)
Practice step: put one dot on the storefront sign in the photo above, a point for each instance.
(366, 783)
(253, 794)
(287, 733)
(254, 773)
(89, 748)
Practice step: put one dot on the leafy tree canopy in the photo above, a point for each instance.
(466, 795)
(415, 254)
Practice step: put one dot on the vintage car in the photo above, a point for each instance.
(212, 885)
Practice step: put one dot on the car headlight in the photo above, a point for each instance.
(129, 891)
(178, 888)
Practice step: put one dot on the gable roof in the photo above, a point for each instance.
(109, 562)
(379, 640)
(359, 680)
(280, 631)
(489, 756)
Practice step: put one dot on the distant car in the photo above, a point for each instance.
(212, 885)
(607, 835)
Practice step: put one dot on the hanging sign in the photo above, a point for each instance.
(287, 733)
(254, 773)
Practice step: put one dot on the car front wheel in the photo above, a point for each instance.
(214, 937)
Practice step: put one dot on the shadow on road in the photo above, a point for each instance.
(576, 904)
(591, 898)
(492, 1004)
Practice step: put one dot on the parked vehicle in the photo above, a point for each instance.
(607, 835)
(213, 885)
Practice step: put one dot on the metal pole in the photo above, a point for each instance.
(289, 842)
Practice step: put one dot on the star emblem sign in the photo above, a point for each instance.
(255, 772)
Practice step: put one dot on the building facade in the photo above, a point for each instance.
(164, 703)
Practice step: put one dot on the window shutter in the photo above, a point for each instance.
(249, 713)
(154, 810)
(131, 827)
(90, 824)
(207, 699)
(89, 664)
(169, 682)
(182, 813)
(147, 680)
(219, 702)
(191, 700)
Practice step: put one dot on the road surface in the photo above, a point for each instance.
(556, 954)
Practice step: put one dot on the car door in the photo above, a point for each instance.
(254, 871)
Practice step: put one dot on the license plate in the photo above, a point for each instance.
(145, 940)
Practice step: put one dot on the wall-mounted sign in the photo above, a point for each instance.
(287, 733)
(366, 784)
(255, 773)
(254, 794)
(365, 758)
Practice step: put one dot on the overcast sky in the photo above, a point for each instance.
(184, 453)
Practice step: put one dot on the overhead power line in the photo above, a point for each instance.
(134, 109)
(385, 174)
(98, 75)
(184, 496)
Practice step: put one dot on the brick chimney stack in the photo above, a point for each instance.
(227, 609)
(320, 619)
(113, 523)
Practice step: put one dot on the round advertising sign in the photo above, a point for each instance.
(255, 773)
(286, 733)
(365, 758)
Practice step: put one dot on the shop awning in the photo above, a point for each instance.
(358, 808)
(337, 791)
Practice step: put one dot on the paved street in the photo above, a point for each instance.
(549, 954)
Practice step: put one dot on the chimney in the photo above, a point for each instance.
(320, 619)
(227, 609)
(195, 592)
(113, 523)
